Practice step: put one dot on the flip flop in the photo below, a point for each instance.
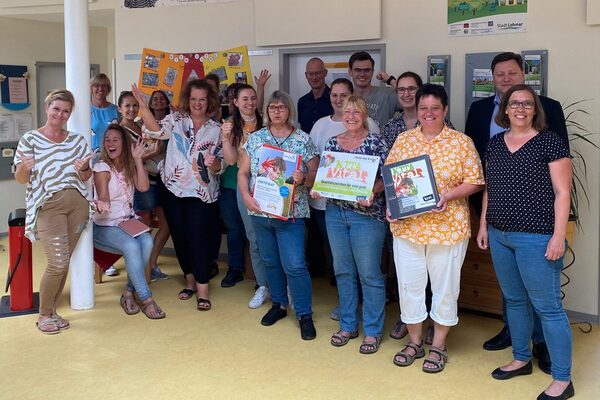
(159, 313)
(61, 322)
(186, 294)
(48, 326)
(129, 305)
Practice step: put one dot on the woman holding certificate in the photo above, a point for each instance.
(528, 242)
(279, 162)
(119, 172)
(434, 243)
(356, 230)
(190, 173)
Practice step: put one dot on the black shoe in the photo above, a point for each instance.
(540, 351)
(213, 270)
(502, 375)
(273, 315)
(566, 394)
(307, 328)
(233, 276)
(499, 342)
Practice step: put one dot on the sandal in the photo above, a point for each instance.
(48, 326)
(438, 365)
(339, 340)
(429, 336)
(399, 330)
(158, 312)
(129, 305)
(203, 304)
(409, 358)
(61, 322)
(369, 347)
(186, 294)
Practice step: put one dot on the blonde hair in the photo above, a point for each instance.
(101, 79)
(360, 104)
(61, 95)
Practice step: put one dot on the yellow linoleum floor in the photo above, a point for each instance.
(226, 354)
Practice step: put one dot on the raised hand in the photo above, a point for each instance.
(83, 164)
(263, 77)
(139, 96)
(138, 148)
(226, 128)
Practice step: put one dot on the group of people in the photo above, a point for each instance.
(210, 162)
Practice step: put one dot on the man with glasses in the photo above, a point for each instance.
(314, 104)
(507, 71)
(382, 102)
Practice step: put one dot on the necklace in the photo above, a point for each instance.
(251, 119)
(279, 144)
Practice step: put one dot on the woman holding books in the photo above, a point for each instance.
(190, 173)
(528, 243)
(356, 231)
(120, 171)
(281, 239)
(434, 243)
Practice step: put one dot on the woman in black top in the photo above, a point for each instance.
(524, 221)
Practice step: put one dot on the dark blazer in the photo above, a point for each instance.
(480, 117)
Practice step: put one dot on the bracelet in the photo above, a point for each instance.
(389, 80)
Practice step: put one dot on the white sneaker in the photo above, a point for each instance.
(260, 296)
(112, 271)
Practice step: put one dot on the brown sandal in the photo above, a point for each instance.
(369, 347)
(203, 304)
(429, 336)
(158, 312)
(399, 330)
(61, 322)
(438, 365)
(339, 340)
(48, 326)
(129, 305)
(409, 358)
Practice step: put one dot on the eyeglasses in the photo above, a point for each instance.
(410, 90)
(280, 108)
(527, 104)
(315, 74)
(364, 71)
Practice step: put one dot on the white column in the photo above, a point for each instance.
(77, 68)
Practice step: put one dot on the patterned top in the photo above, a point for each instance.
(522, 178)
(454, 161)
(54, 170)
(179, 171)
(396, 125)
(121, 197)
(299, 143)
(373, 145)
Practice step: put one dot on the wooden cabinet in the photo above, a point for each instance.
(479, 289)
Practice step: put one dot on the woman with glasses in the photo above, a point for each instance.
(281, 242)
(529, 165)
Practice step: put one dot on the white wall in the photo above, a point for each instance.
(23, 42)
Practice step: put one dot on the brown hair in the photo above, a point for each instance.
(126, 158)
(539, 118)
(211, 94)
(360, 104)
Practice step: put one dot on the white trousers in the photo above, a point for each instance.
(443, 264)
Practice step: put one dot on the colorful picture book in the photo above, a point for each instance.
(410, 187)
(274, 185)
(346, 176)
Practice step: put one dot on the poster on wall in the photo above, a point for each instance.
(486, 17)
(161, 3)
(483, 83)
(160, 70)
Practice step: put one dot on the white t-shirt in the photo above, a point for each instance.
(323, 130)
(121, 198)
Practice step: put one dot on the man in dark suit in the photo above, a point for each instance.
(507, 71)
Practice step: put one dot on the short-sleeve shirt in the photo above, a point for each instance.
(373, 145)
(311, 109)
(121, 197)
(454, 161)
(179, 170)
(299, 143)
(382, 103)
(54, 170)
(101, 118)
(520, 193)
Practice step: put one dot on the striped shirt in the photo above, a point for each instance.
(54, 170)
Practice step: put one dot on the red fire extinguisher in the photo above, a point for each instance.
(20, 275)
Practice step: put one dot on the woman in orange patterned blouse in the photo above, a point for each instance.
(434, 243)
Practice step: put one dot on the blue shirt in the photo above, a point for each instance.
(101, 118)
(310, 109)
(494, 127)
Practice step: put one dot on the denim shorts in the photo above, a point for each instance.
(145, 201)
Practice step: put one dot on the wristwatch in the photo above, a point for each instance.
(390, 79)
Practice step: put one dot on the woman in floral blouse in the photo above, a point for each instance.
(434, 243)
(190, 172)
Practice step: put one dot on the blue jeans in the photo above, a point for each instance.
(236, 237)
(356, 243)
(281, 247)
(136, 251)
(528, 279)
(257, 265)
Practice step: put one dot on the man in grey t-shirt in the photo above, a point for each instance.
(382, 102)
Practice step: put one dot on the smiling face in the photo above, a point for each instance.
(431, 113)
(507, 74)
(113, 144)
(158, 101)
(100, 91)
(58, 112)
(361, 73)
(354, 119)
(129, 108)
(520, 116)
(246, 102)
(198, 102)
(406, 90)
(338, 95)
(315, 74)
